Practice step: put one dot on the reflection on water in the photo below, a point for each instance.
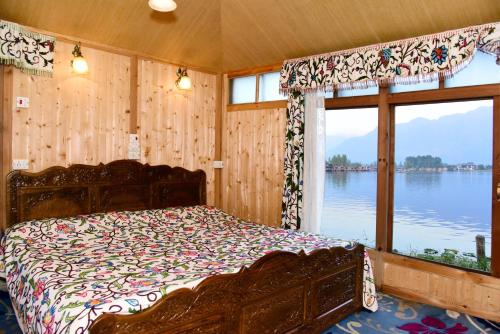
(340, 179)
(428, 180)
(431, 210)
(349, 206)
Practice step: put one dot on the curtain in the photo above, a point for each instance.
(31, 52)
(291, 208)
(314, 161)
(420, 59)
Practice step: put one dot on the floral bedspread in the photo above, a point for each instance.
(63, 273)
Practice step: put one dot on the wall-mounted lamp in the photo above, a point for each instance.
(163, 5)
(79, 63)
(183, 81)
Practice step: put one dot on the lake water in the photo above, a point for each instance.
(431, 210)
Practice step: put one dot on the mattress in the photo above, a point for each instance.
(63, 273)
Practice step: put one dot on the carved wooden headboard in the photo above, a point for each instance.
(81, 189)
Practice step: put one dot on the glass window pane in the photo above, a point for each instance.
(482, 70)
(442, 183)
(414, 87)
(269, 87)
(242, 90)
(358, 92)
(349, 208)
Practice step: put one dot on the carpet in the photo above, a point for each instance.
(393, 317)
(398, 316)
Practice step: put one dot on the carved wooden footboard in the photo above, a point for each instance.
(280, 293)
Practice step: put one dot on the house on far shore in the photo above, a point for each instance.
(469, 166)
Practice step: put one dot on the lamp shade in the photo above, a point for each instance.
(163, 5)
(80, 65)
(184, 83)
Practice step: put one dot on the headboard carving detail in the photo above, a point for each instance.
(117, 186)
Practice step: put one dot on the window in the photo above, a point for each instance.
(349, 207)
(442, 183)
(242, 90)
(437, 197)
(481, 70)
(269, 87)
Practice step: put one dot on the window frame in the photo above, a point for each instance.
(256, 104)
(386, 103)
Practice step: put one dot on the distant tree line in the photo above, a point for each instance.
(423, 161)
(341, 160)
(410, 163)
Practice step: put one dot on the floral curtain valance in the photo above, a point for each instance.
(31, 52)
(407, 61)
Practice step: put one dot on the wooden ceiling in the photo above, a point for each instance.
(226, 35)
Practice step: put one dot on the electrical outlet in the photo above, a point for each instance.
(20, 164)
(218, 164)
(22, 102)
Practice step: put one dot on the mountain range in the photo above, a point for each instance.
(457, 138)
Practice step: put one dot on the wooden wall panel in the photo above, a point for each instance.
(73, 118)
(87, 118)
(441, 286)
(253, 152)
(177, 127)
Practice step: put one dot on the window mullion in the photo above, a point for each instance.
(383, 170)
(495, 222)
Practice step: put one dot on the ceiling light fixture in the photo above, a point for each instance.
(79, 63)
(163, 5)
(183, 82)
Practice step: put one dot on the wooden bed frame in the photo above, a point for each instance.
(282, 292)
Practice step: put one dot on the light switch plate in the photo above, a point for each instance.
(134, 148)
(22, 102)
(133, 138)
(20, 164)
(218, 164)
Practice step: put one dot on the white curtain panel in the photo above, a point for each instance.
(314, 161)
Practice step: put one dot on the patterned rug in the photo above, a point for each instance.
(394, 316)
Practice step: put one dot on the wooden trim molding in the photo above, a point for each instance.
(134, 92)
(257, 105)
(6, 103)
(219, 104)
(254, 70)
(352, 102)
(445, 94)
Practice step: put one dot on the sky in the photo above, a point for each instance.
(347, 123)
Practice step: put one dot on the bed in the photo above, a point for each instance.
(133, 248)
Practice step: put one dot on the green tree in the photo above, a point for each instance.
(339, 160)
(423, 161)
